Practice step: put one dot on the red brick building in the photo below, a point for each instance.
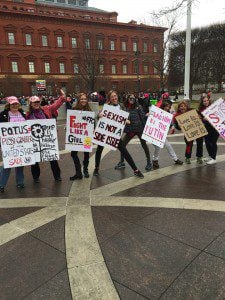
(74, 46)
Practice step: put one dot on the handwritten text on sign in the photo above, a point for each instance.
(17, 145)
(215, 114)
(110, 127)
(191, 125)
(45, 140)
(79, 130)
(157, 126)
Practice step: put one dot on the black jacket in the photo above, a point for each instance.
(137, 120)
(4, 115)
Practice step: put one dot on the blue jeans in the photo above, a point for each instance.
(4, 176)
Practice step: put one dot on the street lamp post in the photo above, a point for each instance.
(187, 53)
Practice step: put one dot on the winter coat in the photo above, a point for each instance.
(4, 115)
(50, 111)
(137, 120)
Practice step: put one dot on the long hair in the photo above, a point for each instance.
(128, 105)
(78, 105)
(201, 105)
(109, 95)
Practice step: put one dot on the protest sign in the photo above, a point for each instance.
(79, 130)
(16, 144)
(157, 126)
(45, 141)
(191, 125)
(110, 127)
(215, 114)
(41, 85)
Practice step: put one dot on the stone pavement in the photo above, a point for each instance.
(116, 236)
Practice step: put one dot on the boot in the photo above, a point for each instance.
(78, 174)
(85, 169)
(155, 164)
(148, 166)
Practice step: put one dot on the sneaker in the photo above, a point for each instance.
(188, 161)
(138, 173)
(20, 186)
(58, 179)
(148, 167)
(120, 165)
(207, 159)
(200, 160)
(76, 177)
(178, 162)
(95, 173)
(211, 162)
(155, 164)
(2, 189)
(85, 172)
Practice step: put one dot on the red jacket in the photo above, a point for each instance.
(51, 110)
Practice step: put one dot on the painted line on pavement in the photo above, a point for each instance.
(33, 202)
(181, 203)
(20, 226)
(88, 274)
(122, 185)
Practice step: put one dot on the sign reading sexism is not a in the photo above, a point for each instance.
(110, 127)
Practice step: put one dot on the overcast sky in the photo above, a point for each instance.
(204, 12)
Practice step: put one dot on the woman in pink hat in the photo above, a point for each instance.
(36, 111)
(12, 113)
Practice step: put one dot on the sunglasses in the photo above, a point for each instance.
(36, 102)
(133, 99)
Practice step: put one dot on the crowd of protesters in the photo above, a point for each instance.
(137, 106)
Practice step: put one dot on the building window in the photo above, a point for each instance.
(124, 69)
(15, 67)
(124, 46)
(11, 38)
(62, 68)
(31, 67)
(155, 48)
(59, 41)
(145, 47)
(101, 69)
(100, 44)
(155, 70)
(44, 40)
(146, 69)
(113, 69)
(136, 67)
(135, 46)
(74, 42)
(112, 45)
(87, 43)
(28, 39)
(47, 67)
(75, 68)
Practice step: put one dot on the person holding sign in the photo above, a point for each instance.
(113, 100)
(212, 137)
(36, 111)
(12, 113)
(182, 108)
(81, 104)
(165, 105)
(135, 127)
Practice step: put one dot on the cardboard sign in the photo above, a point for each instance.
(157, 126)
(79, 130)
(16, 144)
(45, 140)
(110, 127)
(215, 114)
(191, 125)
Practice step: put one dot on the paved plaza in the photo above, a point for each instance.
(116, 236)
